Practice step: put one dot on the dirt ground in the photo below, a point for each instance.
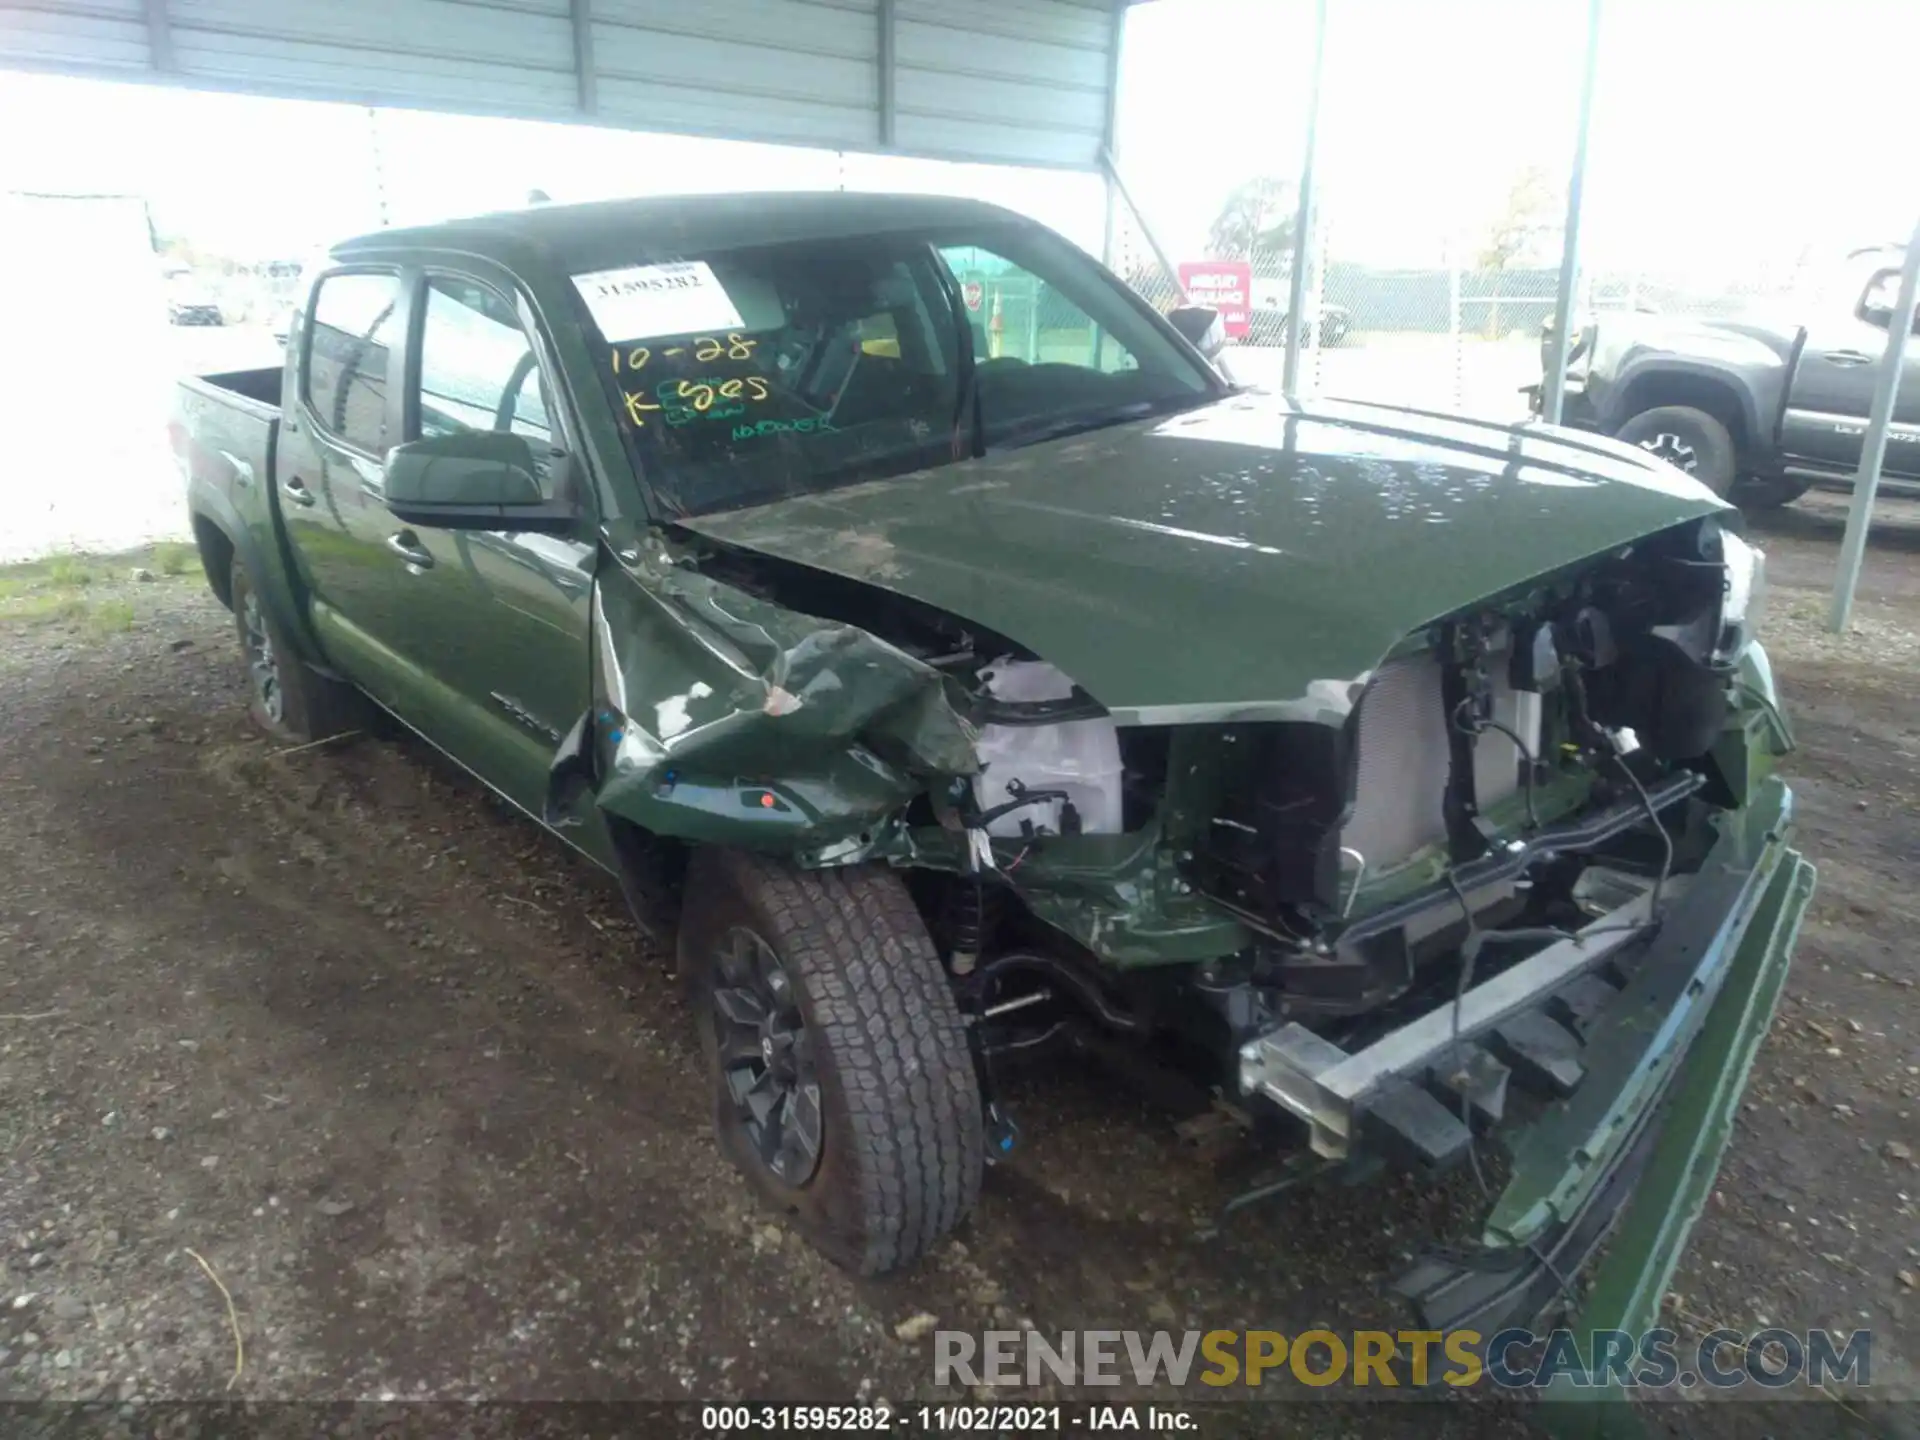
(336, 1028)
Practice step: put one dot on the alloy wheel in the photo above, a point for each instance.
(1672, 449)
(766, 1057)
(263, 665)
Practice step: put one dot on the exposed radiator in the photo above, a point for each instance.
(1404, 757)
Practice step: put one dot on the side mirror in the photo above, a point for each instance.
(1201, 327)
(1879, 300)
(475, 480)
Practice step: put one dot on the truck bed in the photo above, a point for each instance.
(224, 431)
(260, 387)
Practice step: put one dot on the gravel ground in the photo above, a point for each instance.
(333, 1033)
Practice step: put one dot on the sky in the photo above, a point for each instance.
(1728, 137)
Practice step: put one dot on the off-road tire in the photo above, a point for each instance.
(311, 706)
(902, 1140)
(1712, 457)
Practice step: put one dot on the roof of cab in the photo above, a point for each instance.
(581, 238)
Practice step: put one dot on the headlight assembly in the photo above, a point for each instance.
(1743, 597)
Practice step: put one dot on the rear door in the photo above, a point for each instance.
(1833, 385)
(490, 628)
(338, 422)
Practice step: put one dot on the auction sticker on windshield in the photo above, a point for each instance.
(637, 302)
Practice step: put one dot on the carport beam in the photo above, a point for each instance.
(1873, 450)
(1110, 133)
(885, 58)
(1112, 168)
(586, 91)
(1553, 392)
(159, 37)
(1303, 216)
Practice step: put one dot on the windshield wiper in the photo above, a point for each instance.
(1038, 431)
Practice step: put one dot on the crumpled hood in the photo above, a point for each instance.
(1248, 560)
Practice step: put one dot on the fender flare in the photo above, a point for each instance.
(1740, 384)
(269, 571)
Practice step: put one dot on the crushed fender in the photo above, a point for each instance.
(725, 719)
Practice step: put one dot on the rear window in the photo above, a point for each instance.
(352, 331)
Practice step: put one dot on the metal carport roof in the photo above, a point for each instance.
(1025, 82)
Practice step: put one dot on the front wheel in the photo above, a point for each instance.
(843, 1086)
(1690, 440)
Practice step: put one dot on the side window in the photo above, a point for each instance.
(478, 370)
(352, 332)
(1017, 315)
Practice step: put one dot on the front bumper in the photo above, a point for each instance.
(1632, 1153)
(1576, 406)
(1627, 1154)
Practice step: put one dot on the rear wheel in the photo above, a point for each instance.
(1690, 440)
(843, 1086)
(286, 697)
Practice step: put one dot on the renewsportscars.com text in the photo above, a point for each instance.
(1772, 1359)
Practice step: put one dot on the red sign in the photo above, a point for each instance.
(1226, 285)
(973, 293)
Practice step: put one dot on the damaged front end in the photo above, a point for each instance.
(723, 718)
(1526, 878)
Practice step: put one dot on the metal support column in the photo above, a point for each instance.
(1116, 32)
(377, 155)
(1111, 237)
(888, 107)
(1555, 382)
(586, 92)
(1303, 216)
(1139, 218)
(1873, 448)
(159, 36)
(1454, 342)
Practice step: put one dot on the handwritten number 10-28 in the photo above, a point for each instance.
(705, 348)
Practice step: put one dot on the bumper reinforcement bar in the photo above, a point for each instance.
(1329, 1088)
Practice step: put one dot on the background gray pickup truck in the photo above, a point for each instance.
(1758, 412)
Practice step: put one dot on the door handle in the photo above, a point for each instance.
(1847, 357)
(407, 546)
(295, 489)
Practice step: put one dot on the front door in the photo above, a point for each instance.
(491, 627)
(1833, 387)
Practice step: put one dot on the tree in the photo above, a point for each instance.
(1531, 217)
(1532, 213)
(1255, 222)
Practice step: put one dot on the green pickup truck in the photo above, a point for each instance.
(923, 627)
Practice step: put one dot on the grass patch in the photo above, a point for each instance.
(173, 558)
(69, 572)
(42, 606)
(110, 617)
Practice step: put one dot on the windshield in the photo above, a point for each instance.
(744, 375)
